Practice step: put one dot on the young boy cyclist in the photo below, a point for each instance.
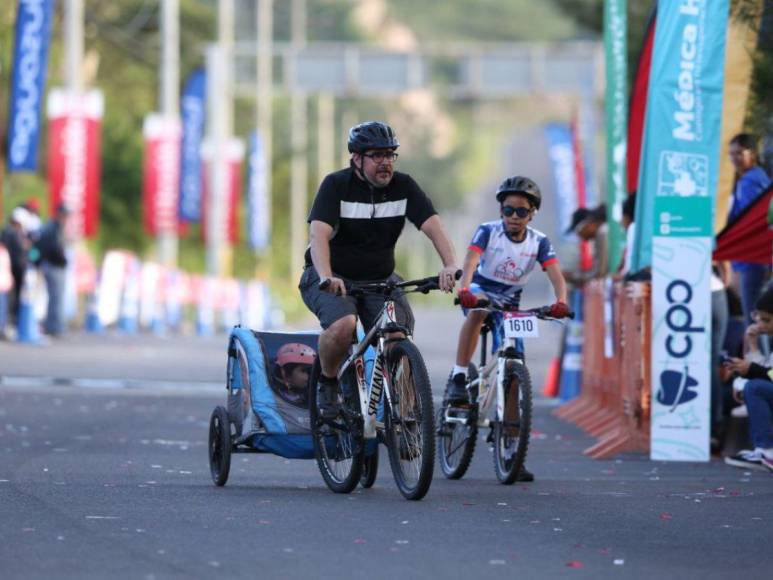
(499, 260)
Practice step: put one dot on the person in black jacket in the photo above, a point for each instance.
(53, 263)
(15, 241)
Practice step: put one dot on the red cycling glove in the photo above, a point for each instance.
(467, 299)
(559, 310)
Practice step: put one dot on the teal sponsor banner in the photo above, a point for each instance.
(674, 215)
(680, 152)
(616, 105)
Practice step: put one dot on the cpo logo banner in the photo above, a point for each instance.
(681, 348)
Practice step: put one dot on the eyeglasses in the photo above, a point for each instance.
(521, 212)
(380, 156)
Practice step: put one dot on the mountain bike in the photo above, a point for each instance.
(500, 394)
(399, 384)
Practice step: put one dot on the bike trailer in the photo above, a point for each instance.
(267, 413)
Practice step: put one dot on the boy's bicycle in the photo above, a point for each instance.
(501, 390)
(400, 383)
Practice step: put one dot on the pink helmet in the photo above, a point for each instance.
(295, 353)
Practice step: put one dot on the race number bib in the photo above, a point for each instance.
(519, 326)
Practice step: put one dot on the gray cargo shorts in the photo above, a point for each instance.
(328, 308)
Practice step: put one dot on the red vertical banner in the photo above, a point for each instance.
(161, 174)
(638, 107)
(74, 157)
(233, 157)
(235, 193)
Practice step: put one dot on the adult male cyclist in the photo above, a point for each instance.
(355, 221)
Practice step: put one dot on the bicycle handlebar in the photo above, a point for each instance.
(423, 285)
(542, 312)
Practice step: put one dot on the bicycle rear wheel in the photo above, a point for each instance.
(409, 421)
(456, 439)
(339, 445)
(511, 432)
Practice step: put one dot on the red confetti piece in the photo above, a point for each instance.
(666, 516)
(575, 564)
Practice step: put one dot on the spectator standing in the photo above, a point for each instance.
(34, 223)
(629, 226)
(14, 238)
(750, 181)
(591, 226)
(53, 263)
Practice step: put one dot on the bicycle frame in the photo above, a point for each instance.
(370, 395)
(497, 364)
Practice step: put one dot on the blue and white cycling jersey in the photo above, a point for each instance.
(505, 265)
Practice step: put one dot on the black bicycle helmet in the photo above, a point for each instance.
(372, 135)
(522, 185)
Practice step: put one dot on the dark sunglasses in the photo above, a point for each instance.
(521, 212)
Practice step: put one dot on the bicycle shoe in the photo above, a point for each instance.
(456, 390)
(525, 476)
(327, 398)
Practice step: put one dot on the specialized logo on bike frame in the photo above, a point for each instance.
(509, 271)
(676, 388)
(683, 174)
(390, 312)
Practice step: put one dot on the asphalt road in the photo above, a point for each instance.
(109, 478)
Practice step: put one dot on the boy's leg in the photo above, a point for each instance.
(456, 389)
(468, 337)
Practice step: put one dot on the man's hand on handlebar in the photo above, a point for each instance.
(333, 285)
(447, 278)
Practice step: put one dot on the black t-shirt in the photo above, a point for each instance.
(366, 223)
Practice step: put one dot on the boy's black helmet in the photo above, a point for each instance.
(372, 135)
(522, 185)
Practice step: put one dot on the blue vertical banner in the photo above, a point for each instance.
(677, 189)
(30, 59)
(259, 222)
(193, 113)
(561, 153)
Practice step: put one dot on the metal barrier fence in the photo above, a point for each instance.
(614, 401)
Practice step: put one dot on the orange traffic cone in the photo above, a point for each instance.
(550, 388)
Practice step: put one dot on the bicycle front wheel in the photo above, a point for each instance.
(457, 434)
(511, 432)
(339, 445)
(409, 420)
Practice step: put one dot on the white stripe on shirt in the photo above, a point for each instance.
(387, 209)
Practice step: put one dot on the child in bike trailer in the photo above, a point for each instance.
(499, 260)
